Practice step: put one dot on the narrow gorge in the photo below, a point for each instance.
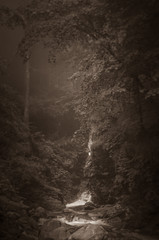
(79, 118)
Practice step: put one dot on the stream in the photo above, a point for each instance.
(82, 220)
(80, 212)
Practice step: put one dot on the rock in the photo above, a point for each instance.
(26, 236)
(95, 216)
(51, 214)
(16, 221)
(13, 215)
(111, 211)
(89, 206)
(48, 228)
(75, 217)
(77, 208)
(40, 212)
(70, 228)
(53, 204)
(90, 231)
(42, 221)
(67, 210)
(69, 217)
(59, 233)
(116, 222)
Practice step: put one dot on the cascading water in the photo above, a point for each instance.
(90, 145)
(80, 221)
(83, 199)
(81, 217)
(88, 160)
(85, 196)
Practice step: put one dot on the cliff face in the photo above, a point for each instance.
(121, 100)
(100, 171)
(123, 166)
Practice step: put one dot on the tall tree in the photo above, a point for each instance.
(51, 22)
(13, 18)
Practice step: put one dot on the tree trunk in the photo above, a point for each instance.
(138, 102)
(27, 92)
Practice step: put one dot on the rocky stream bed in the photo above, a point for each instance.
(71, 222)
(87, 221)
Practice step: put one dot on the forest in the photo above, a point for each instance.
(79, 117)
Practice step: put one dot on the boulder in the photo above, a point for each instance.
(111, 211)
(59, 233)
(48, 228)
(90, 231)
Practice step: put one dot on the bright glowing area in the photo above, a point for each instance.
(90, 145)
(79, 221)
(84, 198)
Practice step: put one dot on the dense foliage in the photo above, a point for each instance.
(119, 94)
(120, 99)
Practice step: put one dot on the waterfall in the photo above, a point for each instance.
(83, 199)
(90, 145)
(90, 142)
(85, 196)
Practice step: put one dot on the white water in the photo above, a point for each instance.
(77, 220)
(80, 221)
(90, 145)
(84, 198)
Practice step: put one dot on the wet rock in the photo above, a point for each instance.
(77, 208)
(76, 216)
(89, 206)
(67, 210)
(93, 232)
(95, 216)
(48, 228)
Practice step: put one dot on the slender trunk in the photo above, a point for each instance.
(50, 76)
(26, 105)
(27, 92)
(139, 104)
